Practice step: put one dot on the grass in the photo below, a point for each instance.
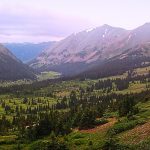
(48, 75)
(144, 110)
(90, 138)
(136, 87)
(63, 89)
(136, 135)
(142, 71)
(8, 139)
(80, 141)
(124, 126)
(40, 77)
(145, 145)
(11, 83)
(77, 140)
(14, 102)
(141, 132)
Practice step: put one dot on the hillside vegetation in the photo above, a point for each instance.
(111, 113)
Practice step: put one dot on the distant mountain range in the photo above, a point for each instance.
(27, 51)
(93, 53)
(88, 48)
(12, 68)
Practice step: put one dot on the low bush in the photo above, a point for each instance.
(48, 145)
(112, 144)
(101, 121)
(123, 126)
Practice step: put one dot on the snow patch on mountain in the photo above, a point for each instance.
(94, 44)
(89, 30)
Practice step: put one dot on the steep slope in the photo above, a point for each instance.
(11, 68)
(137, 56)
(140, 50)
(82, 50)
(84, 47)
(27, 51)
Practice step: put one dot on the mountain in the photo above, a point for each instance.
(27, 51)
(136, 57)
(85, 49)
(12, 68)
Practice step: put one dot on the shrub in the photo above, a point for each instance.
(123, 126)
(101, 121)
(49, 145)
(112, 144)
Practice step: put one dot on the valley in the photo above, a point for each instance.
(65, 86)
(87, 114)
(27, 51)
(89, 49)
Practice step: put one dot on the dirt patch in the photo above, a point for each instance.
(101, 128)
(136, 135)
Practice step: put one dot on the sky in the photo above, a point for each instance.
(52, 20)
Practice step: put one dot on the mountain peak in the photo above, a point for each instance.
(88, 46)
(144, 26)
(106, 25)
(147, 24)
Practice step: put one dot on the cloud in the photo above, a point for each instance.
(46, 25)
(51, 19)
(29, 22)
(27, 38)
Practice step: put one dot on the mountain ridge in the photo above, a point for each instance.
(89, 46)
(12, 68)
(27, 51)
